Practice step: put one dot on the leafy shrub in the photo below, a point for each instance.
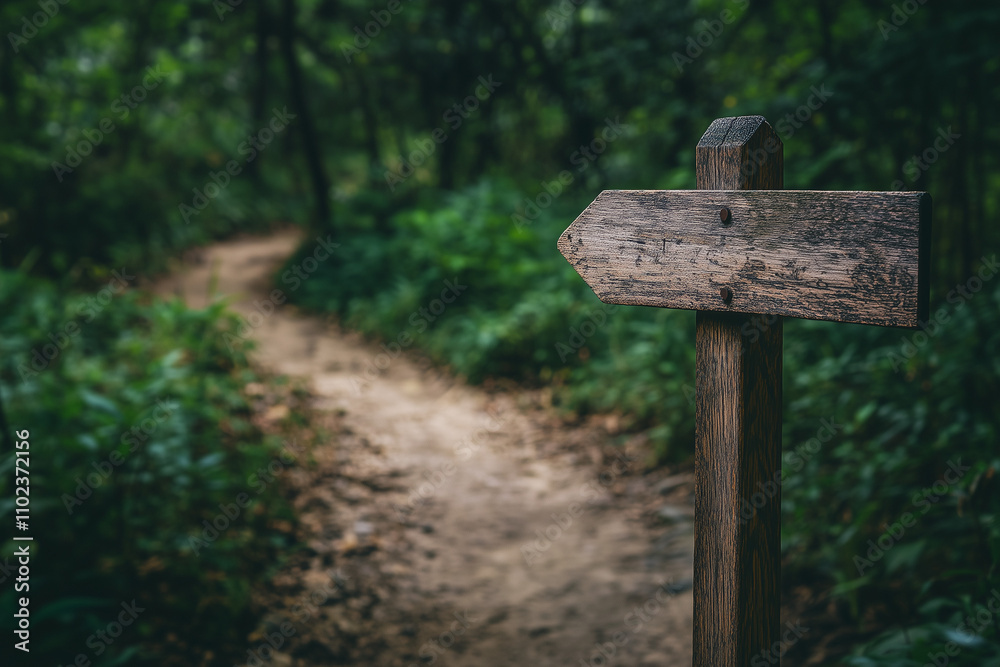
(918, 442)
(139, 430)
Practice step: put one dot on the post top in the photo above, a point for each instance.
(736, 131)
(740, 153)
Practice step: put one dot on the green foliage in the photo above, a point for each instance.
(106, 134)
(138, 431)
(890, 83)
(917, 446)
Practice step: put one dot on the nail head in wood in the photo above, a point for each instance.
(726, 294)
(725, 216)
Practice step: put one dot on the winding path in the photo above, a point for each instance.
(435, 497)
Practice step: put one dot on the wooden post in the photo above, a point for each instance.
(737, 567)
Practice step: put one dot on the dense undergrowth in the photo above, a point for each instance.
(141, 443)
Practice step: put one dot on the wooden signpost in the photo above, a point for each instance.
(736, 249)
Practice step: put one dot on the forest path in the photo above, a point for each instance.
(422, 508)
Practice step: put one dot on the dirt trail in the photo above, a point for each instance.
(430, 499)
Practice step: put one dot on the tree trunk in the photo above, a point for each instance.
(307, 131)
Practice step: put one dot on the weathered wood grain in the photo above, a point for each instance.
(845, 256)
(737, 569)
(739, 153)
(737, 562)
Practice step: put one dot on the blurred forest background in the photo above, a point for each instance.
(456, 140)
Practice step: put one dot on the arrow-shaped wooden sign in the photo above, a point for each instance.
(738, 247)
(846, 256)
